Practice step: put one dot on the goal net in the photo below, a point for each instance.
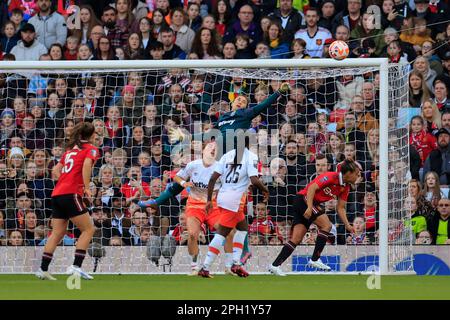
(333, 111)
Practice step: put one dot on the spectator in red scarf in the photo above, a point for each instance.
(423, 141)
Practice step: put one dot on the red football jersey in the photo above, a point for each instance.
(71, 179)
(331, 186)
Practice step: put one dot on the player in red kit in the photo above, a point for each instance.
(74, 175)
(308, 209)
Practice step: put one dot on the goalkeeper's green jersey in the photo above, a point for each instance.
(242, 118)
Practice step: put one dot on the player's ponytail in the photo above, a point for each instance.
(80, 134)
(349, 166)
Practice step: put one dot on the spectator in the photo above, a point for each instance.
(105, 51)
(432, 188)
(222, 15)
(335, 148)
(102, 224)
(245, 25)
(50, 26)
(313, 35)
(88, 21)
(423, 141)
(290, 19)
(431, 116)
(441, 99)
(116, 36)
(185, 35)
(120, 223)
(279, 49)
(418, 90)
(438, 160)
(145, 35)
(438, 224)
(15, 238)
(365, 120)
(367, 29)
(193, 15)
(9, 37)
(205, 45)
(56, 52)
(422, 65)
(134, 48)
(181, 234)
(107, 186)
(119, 161)
(281, 194)
(359, 237)
(445, 120)
(350, 17)
(28, 48)
(262, 224)
(351, 133)
(423, 237)
(158, 22)
(171, 49)
(139, 224)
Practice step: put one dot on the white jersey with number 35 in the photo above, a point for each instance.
(235, 179)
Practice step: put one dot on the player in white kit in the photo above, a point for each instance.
(195, 177)
(236, 169)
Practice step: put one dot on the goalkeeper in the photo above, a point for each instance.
(240, 117)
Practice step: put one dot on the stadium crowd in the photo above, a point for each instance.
(320, 122)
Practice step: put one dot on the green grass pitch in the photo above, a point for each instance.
(174, 287)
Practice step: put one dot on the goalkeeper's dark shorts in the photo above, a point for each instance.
(67, 206)
(300, 207)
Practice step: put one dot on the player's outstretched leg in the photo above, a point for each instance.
(173, 190)
(58, 232)
(84, 223)
(324, 225)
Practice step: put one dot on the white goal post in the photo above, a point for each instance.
(380, 64)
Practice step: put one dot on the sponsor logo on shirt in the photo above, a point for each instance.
(230, 122)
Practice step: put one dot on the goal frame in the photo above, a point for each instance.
(381, 63)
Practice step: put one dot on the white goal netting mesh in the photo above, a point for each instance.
(327, 116)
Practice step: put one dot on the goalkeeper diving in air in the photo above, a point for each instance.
(240, 117)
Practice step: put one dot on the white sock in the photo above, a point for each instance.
(238, 245)
(213, 250)
(228, 259)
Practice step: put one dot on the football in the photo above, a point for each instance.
(339, 50)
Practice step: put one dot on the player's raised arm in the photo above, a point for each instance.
(256, 110)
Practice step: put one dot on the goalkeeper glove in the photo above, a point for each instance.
(175, 135)
(284, 87)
